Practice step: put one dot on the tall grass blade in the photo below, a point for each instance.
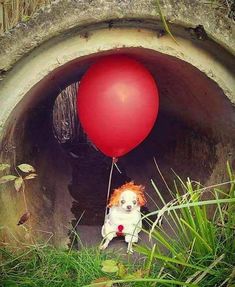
(164, 21)
(198, 236)
(144, 280)
(150, 259)
(186, 205)
(212, 265)
(171, 260)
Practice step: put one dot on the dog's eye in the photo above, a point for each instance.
(123, 201)
(134, 201)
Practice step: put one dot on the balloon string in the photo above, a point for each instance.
(117, 167)
(109, 187)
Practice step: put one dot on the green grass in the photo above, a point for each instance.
(202, 247)
(197, 250)
(47, 266)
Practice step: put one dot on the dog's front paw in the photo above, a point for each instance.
(102, 247)
(129, 251)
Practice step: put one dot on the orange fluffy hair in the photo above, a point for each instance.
(137, 189)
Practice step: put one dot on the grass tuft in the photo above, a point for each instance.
(202, 247)
(49, 266)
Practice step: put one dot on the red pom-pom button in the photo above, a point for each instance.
(120, 229)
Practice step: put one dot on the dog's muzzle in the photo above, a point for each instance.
(128, 208)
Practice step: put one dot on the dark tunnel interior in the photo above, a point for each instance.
(188, 139)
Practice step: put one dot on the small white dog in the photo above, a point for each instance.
(124, 217)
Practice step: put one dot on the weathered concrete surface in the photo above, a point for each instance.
(54, 54)
(64, 16)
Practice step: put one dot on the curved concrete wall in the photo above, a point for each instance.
(208, 57)
(62, 17)
(195, 77)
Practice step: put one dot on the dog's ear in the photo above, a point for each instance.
(114, 200)
(141, 198)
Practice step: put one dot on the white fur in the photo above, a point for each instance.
(127, 213)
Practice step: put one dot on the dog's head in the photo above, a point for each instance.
(128, 197)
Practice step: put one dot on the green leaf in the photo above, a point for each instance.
(109, 266)
(137, 274)
(31, 176)
(129, 277)
(26, 167)
(18, 183)
(4, 166)
(7, 178)
(121, 270)
(110, 269)
(109, 263)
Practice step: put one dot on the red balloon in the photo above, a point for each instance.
(117, 104)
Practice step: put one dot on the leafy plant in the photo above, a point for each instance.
(24, 172)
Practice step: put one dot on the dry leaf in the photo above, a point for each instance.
(27, 236)
(31, 176)
(24, 218)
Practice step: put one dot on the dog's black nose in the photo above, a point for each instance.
(128, 207)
